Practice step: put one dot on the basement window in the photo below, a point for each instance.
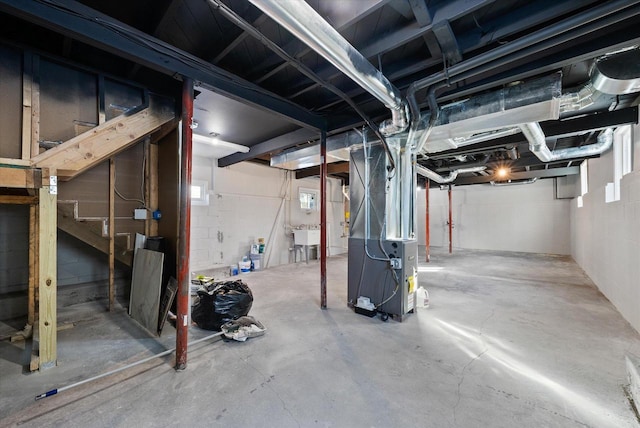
(584, 183)
(622, 161)
(199, 192)
(308, 199)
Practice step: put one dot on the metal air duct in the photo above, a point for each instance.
(618, 73)
(538, 146)
(432, 175)
(307, 25)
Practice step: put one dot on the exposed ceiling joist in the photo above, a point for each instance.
(525, 175)
(76, 20)
(273, 145)
(447, 41)
(421, 12)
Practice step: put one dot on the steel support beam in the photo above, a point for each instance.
(184, 228)
(75, 20)
(450, 222)
(270, 146)
(427, 231)
(421, 12)
(447, 41)
(323, 220)
(525, 175)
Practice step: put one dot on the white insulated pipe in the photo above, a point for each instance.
(432, 175)
(307, 25)
(538, 145)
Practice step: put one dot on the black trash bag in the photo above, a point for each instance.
(221, 302)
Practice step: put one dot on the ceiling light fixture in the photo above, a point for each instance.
(502, 172)
(213, 140)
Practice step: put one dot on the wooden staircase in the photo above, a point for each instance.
(94, 231)
(92, 147)
(83, 152)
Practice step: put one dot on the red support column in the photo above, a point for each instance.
(184, 228)
(427, 225)
(323, 219)
(450, 224)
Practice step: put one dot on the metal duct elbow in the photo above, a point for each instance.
(538, 146)
(537, 143)
(617, 73)
(432, 175)
(307, 25)
(604, 143)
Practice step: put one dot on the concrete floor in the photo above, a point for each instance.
(509, 340)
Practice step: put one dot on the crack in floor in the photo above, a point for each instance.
(462, 375)
(266, 383)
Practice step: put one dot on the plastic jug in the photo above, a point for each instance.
(422, 297)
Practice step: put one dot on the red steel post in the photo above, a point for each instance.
(427, 225)
(450, 224)
(323, 219)
(184, 227)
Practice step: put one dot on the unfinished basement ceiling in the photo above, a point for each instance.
(273, 99)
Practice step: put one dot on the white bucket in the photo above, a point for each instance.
(245, 267)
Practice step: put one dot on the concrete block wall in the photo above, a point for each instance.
(605, 237)
(526, 218)
(248, 201)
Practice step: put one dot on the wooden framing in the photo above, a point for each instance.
(112, 232)
(20, 178)
(15, 162)
(91, 148)
(47, 277)
(18, 200)
(35, 106)
(26, 105)
(33, 263)
(151, 187)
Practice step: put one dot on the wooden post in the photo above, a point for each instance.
(112, 232)
(47, 281)
(323, 219)
(26, 105)
(33, 263)
(151, 186)
(35, 105)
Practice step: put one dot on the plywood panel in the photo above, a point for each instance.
(11, 105)
(146, 282)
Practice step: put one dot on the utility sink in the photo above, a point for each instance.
(306, 237)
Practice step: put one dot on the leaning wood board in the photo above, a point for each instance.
(146, 284)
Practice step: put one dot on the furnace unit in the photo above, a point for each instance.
(383, 250)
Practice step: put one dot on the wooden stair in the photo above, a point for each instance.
(94, 231)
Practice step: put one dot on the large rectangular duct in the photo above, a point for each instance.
(337, 150)
(465, 122)
(461, 123)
